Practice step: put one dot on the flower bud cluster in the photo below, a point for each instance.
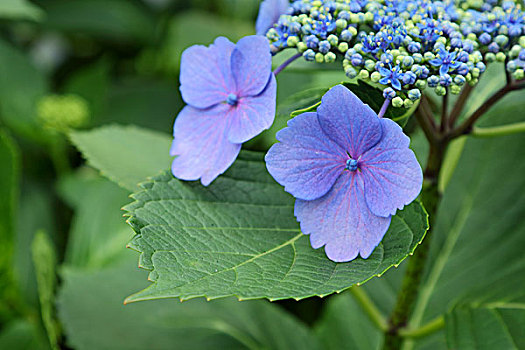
(407, 46)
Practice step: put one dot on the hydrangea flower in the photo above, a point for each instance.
(349, 171)
(230, 91)
(269, 13)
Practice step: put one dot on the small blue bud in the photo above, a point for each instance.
(414, 94)
(459, 80)
(350, 72)
(445, 80)
(433, 81)
(324, 46)
(521, 56)
(387, 58)
(414, 47)
(456, 42)
(356, 60)
(409, 78)
(485, 38)
(481, 66)
(389, 93)
(463, 69)
(311, 41)
(511, 66)
(493, 47)
(309, 55)
(346, 35)
(501, 40)
(463, 56)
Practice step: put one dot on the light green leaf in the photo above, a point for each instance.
(20, 9)
(126, 155)
(218, 241)
(163, 324)
(21, 86)
(98, 233)
(44, 260)
(22, 334)
(496, 326)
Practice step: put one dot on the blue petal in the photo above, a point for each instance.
(252, 115)
(305, 162)
(443, 69)
(205, 73)
(391, 172)
(201, 143)
(251, 64)
(349, 122)
(269, 13)
(341, 220)
(435, 62)
(396, 84)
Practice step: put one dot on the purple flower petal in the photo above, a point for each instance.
(391, 172)
(252, 115)
(347, 121)
(205, 73)
(251, 64)
(341, 220)
(269, 13)
(201, 143)
(306, 161)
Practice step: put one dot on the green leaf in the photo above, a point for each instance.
(477, 245)
(496, 326)
(20, 9)
(44, 259)
(126, 155)
(21, 86)
(98, 233)
(344, 325)
(207, 241)
(22, 335)
(120, 21)
(164, 324)
(9, 188)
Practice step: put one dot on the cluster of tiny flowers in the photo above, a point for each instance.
(406, 46)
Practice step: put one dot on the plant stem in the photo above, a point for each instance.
(444, 114)
(408, 292)
(384, 107)
(429, 328)
(369, 307)
(286, 63)
(499, 130)
(458, 106)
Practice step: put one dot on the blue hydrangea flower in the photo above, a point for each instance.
(349, 171)
(445, 61)
(230, 91)
(269, 13)
(391, 76)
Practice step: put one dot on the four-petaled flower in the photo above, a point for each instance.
(349, 171)
(445, 61)
(230, 91)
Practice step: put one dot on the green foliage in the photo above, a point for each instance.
(486, 327)
(212, 238)
(98, 233)
(44, 259)
(163, 324)
(20, 9)
(22, 335)
(125, 154)
(21, 86)
(119, 21)
(9, 187)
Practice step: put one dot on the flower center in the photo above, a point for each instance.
(351, 164)
(232, 99)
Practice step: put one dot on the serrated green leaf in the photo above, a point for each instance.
(20, 9)
(126, 155)
(163, 324)
(218, 241)
(44, 260)
(496, 326)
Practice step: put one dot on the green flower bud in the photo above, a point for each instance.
(63, 112)
(341, 23)
(319, 57)
(455, 89)
(408, 103)
(500, 57)
(490, 57)
(292, 41)
(515, 51)
(364, 74)
(342, 47)
(329, 57)
(421, 84)
(518, 74)
(397, 102)
(301, 46)
(440, 90)
(375, 77)
(333, 40)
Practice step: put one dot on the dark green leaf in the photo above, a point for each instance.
(22, 335)
(91, 310)
(127, 155)
(496, 326)
(207, 241)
